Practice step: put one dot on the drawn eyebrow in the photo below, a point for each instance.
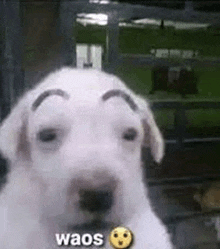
(46, 94)
(121, 94)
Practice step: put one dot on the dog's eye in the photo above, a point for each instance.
(47, 135)
(115, 235)
(130, 134)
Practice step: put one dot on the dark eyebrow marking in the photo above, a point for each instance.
(46, 94)
(121, 94)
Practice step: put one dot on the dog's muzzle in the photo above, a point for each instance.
(96, 201)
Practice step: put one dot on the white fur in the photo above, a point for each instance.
(41, 195)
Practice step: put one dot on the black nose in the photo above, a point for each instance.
(96, 201)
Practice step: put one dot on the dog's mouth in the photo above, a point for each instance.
(95, 207)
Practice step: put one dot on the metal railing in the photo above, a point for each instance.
(180, 119)
(180, 108)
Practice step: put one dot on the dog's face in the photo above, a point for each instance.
(83, 140)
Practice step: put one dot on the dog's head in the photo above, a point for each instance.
(82, 132)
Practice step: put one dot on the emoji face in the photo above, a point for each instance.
(120, 237)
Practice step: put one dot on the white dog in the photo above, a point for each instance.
(74, 148)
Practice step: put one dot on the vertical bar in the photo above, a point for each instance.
(2, 39)
(17, 50)
(180, 124)
(112, 40)
(89, 59)
(68, 32)
(12, 58)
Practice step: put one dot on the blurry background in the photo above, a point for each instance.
(168, 51)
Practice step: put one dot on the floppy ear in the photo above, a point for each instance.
(152, 135)
(13, 137)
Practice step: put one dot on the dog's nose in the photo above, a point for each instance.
(96, 201)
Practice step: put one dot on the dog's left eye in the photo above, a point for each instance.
(47, 135)
(130, 134)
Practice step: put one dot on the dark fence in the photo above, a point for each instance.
(160, 186)
(180, 108)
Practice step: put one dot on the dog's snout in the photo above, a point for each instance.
(96, 201)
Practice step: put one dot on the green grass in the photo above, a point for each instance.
(141, 41)
(203, 118)
(209, 83)
(139, 79)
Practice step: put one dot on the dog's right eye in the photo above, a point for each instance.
(47, 135)
(130, 134)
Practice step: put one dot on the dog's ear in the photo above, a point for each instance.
(13, 136)
(152, 135)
